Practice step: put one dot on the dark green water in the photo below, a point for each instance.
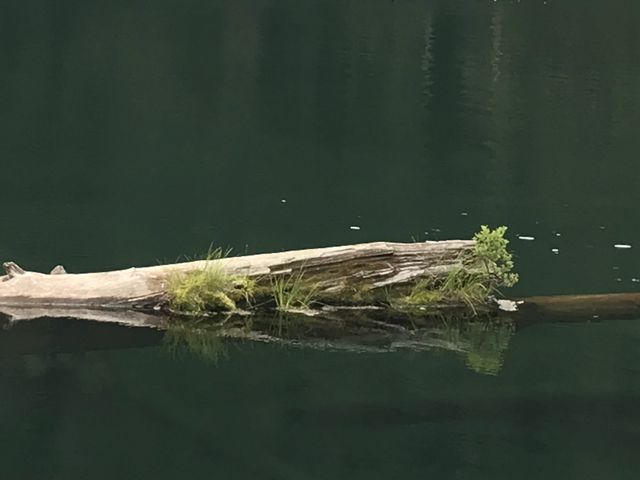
(133, 132)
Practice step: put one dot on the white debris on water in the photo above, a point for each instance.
(284, 200)
(464, 214)
(555, 250)
(525, 237)
(601, 227)
(354, 227)
(635, 280)
(621, 245)
(507, 305)
(558, 234)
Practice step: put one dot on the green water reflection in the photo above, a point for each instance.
(133, 132)
(564, 404)
(482, 343)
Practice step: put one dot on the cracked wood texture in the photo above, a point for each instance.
(332, 269)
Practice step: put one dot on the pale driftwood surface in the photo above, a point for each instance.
(333, 269)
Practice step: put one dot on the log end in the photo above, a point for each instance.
(12, 269)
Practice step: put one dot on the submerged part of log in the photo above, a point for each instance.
(333, 270)
(567, 308)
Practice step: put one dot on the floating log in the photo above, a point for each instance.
(116, 295)
(139, 296)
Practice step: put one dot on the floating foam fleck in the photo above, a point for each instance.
(507, 305)
(635, 280)
(354, 227)
(555, 250)
(524, 237)
(558, 234)
(621, 245)
(283, 200)
(464, 214)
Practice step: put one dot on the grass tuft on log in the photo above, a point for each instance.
(210, 289)
(292, 292)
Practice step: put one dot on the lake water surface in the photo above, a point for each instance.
(134, 132)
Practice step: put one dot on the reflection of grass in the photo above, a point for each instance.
(208, 289)
(200, 340)
(292, 292)
(484, 343)
(488, 343)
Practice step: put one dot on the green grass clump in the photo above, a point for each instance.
(292, 292)
(210, 289)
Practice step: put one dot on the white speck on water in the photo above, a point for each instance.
(464, 214)
(354, 227)
(284, 200)
(524, 237)
(615, 267)
(435, 229)
(618, 279)
(558, 234)
(635, 280)
(621, 245)
(555, 250)
(595, 316)
(601, 227)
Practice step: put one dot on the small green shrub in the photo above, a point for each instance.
(491, 255)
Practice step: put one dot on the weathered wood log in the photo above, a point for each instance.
(333, 270)
(138, 296)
